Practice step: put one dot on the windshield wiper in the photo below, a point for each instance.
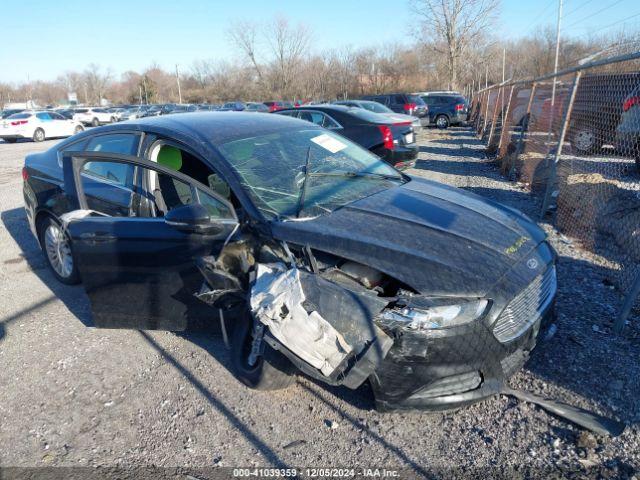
(303, 187)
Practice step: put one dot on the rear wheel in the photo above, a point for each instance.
(58, 252)
(78, 129)
(442, 121)
(271, 371)
(95, 122)
(585, 139)
(38, 135)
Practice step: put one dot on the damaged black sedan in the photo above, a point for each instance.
(311, 253)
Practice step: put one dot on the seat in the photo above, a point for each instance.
(169, 192)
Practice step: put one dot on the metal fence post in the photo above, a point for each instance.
(504, 116)
(486, 113)
(556, 158)
(494, 117)
(524, 128)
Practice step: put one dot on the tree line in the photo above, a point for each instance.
(455, 46)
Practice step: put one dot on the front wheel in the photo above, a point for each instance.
(78, 129)
(38, 135)
(58, 252)
(271, 371)
(442, 121)
(95, 122)
(585, 139)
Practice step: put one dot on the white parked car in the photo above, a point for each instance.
(93, 116)
(38, 126)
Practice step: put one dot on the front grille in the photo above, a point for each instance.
(527, 307)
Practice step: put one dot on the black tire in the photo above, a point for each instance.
(39, 135)
(95, 122)
(273, 371)
(78, 129)
(74, 277)
(10, 140)
(585, 139)
(113, 119)
(442, 122)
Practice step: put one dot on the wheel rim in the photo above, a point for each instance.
(39, 135)
(441, 122)
(584, 139)
(58, 251)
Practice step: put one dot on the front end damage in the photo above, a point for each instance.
(344, 323)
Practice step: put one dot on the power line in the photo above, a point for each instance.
(606, 27)
(539, 16)
(577, 8)
(594, 14)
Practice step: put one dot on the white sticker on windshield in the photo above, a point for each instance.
(329, 143)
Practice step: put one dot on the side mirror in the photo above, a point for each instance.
(193, 218)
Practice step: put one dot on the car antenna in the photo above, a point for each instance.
(303, 189)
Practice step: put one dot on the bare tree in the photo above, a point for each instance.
(96, 82)
(451, 26)
(243, 35)
(288, 45)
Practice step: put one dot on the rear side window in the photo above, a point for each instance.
(113, 172)
(398, 99)
(43, 116)
(18, 116)
(125, 143)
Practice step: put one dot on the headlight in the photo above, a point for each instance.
(434, 317)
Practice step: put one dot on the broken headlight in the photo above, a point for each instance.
(422, 316)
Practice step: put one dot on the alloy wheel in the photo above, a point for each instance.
(58, 250)
(584, 140)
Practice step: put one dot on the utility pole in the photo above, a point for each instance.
(555, 65)
(144, 84)
(178, 80)
(504, 58)
(140, 88)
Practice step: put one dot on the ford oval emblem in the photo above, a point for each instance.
(532, 263)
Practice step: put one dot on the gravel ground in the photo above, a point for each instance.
(77, 396)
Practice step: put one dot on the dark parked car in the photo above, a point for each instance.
(627, 140)
(256, 107)
(312, 253)
(445, 109)
(233, 107)
(376, 107)
(10, 111)
(406, 103)
(597, 109)
(394, 141)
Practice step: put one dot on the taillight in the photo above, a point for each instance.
(19, 122)
(25, 174)
(402, 124)
(409, 107)
(630, 102)
(387, 137)
(459, 107)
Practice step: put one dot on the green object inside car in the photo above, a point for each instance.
(170, 157)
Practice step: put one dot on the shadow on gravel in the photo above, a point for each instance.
(397, 451)
(251, 436)
(15, 221)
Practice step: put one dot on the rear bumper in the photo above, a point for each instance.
(401, 157)
(458, 369)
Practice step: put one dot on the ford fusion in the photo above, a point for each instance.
(308, 252)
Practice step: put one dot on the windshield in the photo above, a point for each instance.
(416, 99)
(375, 107)
(272, 171)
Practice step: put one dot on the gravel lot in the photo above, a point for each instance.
(77, 396)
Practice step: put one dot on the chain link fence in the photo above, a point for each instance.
(573, 140)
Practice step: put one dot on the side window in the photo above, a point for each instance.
(313, 117)
(125, 143)
(44, 116)
(56, 116)
(108, 187)
(398, 99)
(289, 114)
(330, 122)
(113, 172)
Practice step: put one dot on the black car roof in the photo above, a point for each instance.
(215, 127)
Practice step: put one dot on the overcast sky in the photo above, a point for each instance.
(43, 38)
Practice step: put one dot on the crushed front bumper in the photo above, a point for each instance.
(452, 368)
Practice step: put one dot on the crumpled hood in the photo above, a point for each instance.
(437, 239)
